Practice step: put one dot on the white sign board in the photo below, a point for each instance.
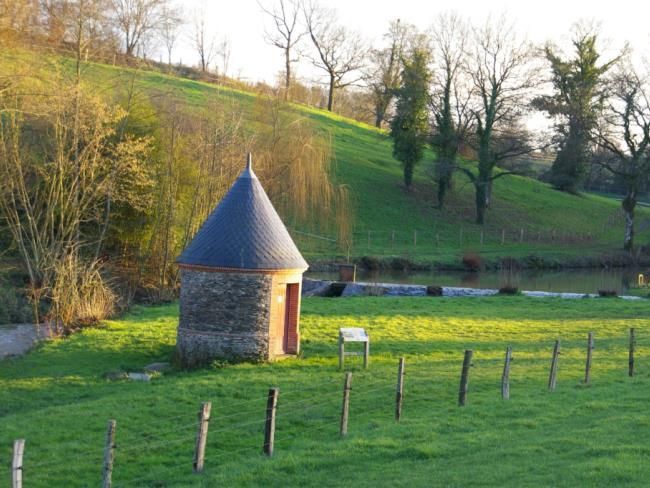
(353, 334)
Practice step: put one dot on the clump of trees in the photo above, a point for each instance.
(100, 195)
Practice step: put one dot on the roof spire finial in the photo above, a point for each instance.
(249, 161)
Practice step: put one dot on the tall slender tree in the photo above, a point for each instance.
(338, 51)
(409, 127)
(285, 34)
(502, 78)
(579, 95)
(624, 134)
(449, 98)
(383, 73)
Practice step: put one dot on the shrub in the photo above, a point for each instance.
(472, 261)
(508, 290)
(434, 290)
(14, 307)
(80, 297)
(369, 262)
(607, 293)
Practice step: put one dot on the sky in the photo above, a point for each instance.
(242, 22)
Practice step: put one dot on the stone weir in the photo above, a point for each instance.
(325, 288)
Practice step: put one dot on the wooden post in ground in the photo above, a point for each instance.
(503, 236)
(109, 455)
(366, 353)
(521, 235)
(269, 426)
(631, 353)
(552, 379)
(464, 378)
(590, 348)
(399, 396)
(17, 464)
(345, 410)
(201, 436)
(505, 377)
(481, 237)
(341, 351)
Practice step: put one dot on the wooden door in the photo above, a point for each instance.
(279, 326)
(290, 344)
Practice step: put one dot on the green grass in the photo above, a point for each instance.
(58, 399)
(552, 220)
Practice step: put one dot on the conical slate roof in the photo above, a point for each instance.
(244, 232)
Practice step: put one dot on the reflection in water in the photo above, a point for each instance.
(568, 280)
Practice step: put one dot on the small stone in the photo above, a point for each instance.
(140, 376)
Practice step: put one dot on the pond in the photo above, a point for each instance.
(566, 280)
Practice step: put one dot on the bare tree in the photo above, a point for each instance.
(137, 19)
(223, 51)
(338, 51)
(450, 96)
(285, 34)
(624, 134)
(499, 66)
(204, 43)
(385, 64)
(171, 20)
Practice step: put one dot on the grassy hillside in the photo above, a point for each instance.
(58, 399)
(527, 217)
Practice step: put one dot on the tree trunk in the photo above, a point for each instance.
(330, 95)
(628, 204)
(287, 79)
(480, 201)
(379, 119)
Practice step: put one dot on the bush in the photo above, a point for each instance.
(508, 290)
(80, 297)
(607, 293)
(472, 261)
(369, 263)
(434, 290)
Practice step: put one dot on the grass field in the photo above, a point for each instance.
(58, 399)
(555, 224)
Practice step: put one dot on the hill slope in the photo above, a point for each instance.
(526, 217)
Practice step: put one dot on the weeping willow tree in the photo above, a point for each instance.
(294, 162)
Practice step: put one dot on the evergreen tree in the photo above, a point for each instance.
(410, 125)
(579, 95)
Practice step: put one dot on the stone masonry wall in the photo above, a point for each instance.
(223, 316)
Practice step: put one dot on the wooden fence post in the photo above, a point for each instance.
(590, 348)
(341, 351)
(399, 396)
(269, 426)
(505, 377)
(415, 238)
(464, 378)
(481, 237)
(503, 236)
(201, 436)
(552, 379)
(521, 235)
(631, 354)
(345, 410)
(109, 455)
(366, 353)
(17, 464)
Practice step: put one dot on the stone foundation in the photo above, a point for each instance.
(223, 316)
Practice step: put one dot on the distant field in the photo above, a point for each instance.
(526, 216)
(58, 399)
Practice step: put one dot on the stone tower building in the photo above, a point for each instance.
(241, 278)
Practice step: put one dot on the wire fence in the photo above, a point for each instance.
(163, 448)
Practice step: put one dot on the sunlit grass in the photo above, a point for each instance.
(57, 398)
